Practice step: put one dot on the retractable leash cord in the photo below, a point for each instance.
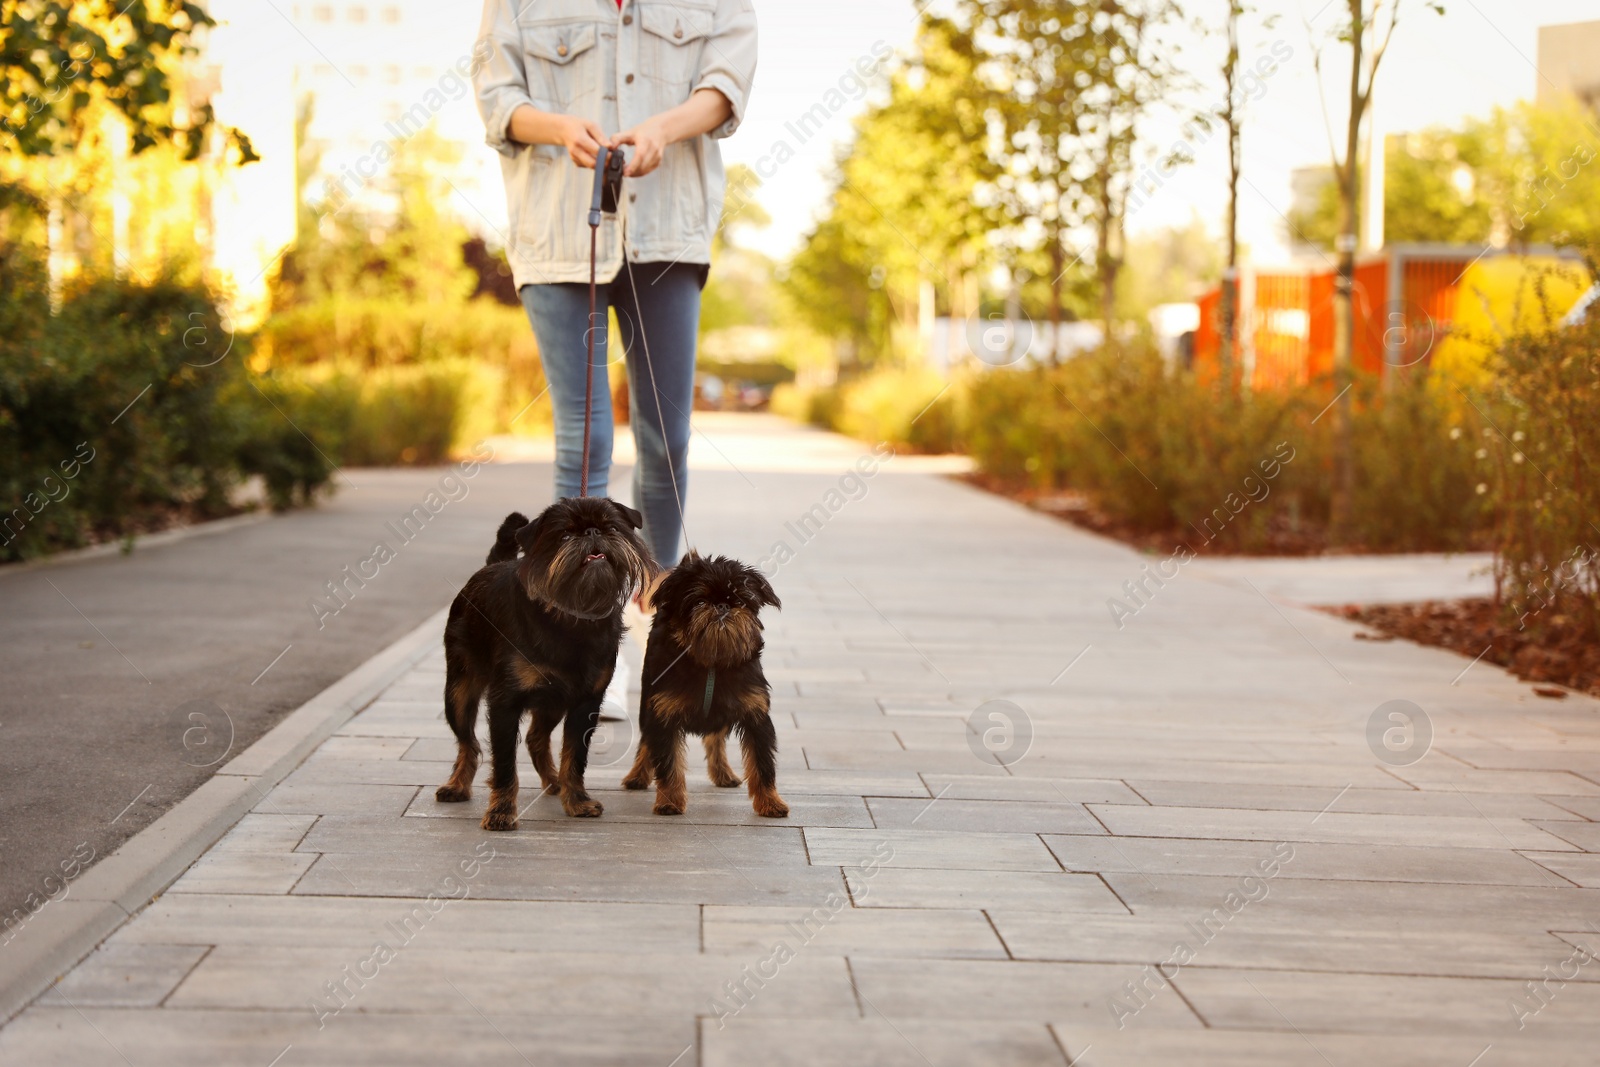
(608, 165)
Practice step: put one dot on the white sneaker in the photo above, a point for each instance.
(614, 706)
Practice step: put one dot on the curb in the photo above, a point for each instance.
(155, 540)
(62, 933)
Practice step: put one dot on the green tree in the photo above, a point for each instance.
(740, 289)
(1535, 168)
(1430, 192)
(61, 58)
(1523, 175)
(355, 250)
(905, 211)
(1167, 266)
(1068, 85)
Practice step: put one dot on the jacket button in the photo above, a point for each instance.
(677, 31)
(632, 197)
(629, 79)
(561, 49)
(627, 20)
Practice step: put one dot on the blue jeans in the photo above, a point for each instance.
(658, 321)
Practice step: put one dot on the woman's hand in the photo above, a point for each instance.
(581, 138)
(649, 140)
(703, 112)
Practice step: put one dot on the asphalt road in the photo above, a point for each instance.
(130, 679)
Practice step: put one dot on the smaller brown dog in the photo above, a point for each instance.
(702, 675)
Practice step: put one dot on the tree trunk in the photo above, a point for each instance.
(1228, 299)
(1105, 260)
(1228, 302)
(1344, 327)
(1057, 269)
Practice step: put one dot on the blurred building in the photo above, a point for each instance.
(1569, 63)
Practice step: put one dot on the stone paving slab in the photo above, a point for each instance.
(1325, 860)
(933, 933)
(941, 893)
(1104, 1047)
(1370, 801)
(878, 1041)
(72, 1037)
(1385, 1004)
(1263, 938)
(1580, 868)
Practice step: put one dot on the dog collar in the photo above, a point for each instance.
(711, 681)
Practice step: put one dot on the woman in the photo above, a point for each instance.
(673, 76)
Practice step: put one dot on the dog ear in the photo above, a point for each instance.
(529, 534)
(757, 583)
(632, 517)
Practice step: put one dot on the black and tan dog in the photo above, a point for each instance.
(702, 675)
(540, 634)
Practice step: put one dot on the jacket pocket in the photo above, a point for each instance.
(561, 58)
(670, 47)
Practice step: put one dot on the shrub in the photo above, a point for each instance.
(1542, 453)
(1160, 451)
(404, 415)
(906, 407)
(342, 337)
(1416, 476)
(1155, 448)
(130, 403)
(911, 408)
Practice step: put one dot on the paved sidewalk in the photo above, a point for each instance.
(1398, 579)
(1020, 835)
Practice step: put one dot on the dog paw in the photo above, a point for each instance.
(667, 808)
(641, 781)
(499, 820)
(452, 794)
(583, 809)
(771, 807)
(725, 780)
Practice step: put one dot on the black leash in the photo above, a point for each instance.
(608, 166)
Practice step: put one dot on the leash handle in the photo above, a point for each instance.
(600, 162)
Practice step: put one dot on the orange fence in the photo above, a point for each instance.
(1405, 299)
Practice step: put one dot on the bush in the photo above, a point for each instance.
(1159, 451)
(1156, 449)
(817, 405)
(408, 415)
(128, 405)
(389, 341)
(1542, 456)
(906, 407)
(911, 409)
(1416, 476)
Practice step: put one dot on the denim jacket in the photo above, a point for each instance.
(617, 68)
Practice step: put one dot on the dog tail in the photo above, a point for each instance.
(505, 539)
